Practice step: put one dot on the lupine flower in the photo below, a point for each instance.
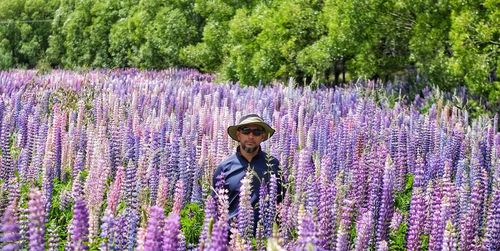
(171, 232)
(162, 192)
(270, 209)
(179, 194)
(221, 228)
(115, 191)
(492, 234)
(210, 216)
(79, 226)
(387, 201)
(107, 231)
(9, 230)
(449, 237)
(416, 219)
(306, 230)
(363, 231)
(245, 211)
(153, 239)
(326, 211)
(344, 225)
(37, 220)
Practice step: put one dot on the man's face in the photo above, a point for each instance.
(250, 137)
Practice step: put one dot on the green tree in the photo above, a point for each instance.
(429, 47)
(76, 31)
(264, 42)
(104, 15)
(474, 39)
(121, 41)
(56, 50)
(209, 53)
(165, 36)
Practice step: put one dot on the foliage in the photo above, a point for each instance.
(192, 217)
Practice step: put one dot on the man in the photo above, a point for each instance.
(249, 132)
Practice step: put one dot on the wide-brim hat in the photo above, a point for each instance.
(253, 119)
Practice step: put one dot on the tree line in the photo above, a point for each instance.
(447, 43)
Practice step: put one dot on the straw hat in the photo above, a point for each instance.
(247, 120)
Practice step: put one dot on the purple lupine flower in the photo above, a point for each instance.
(387, 201)
(210, 215)
(171, 232)
(470, 220)
(401, 161)
(221, 227)
(173, 160)
(65, 200)
(219, 237)
(33, 127)
(397, 219)
(311, 199)
(326, 211)
(197, 190)
(382, 246)
(79, 226)
(245, 211)
(178, 197)
(37, 219)
(416, 219)
(57, 141)
(186, 171)
(13, 187)
(436, 221)
(270, 209)
(153, 239)
(79, 163)
(364, 228)
(360, 175)
(22, 164)
(115, 147)
(449, 238)
(7, 165)
(492, 233)
(120, 230)
(306, 230)
(162, 192)
(131, 222)
(114, 193)
(182, 242)
(38, 152)
(107, 231)
(154, 165)
(129, 191)
(344, 225)
(9, 230)
(303, 169)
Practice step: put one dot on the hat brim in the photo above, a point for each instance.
(232, 130)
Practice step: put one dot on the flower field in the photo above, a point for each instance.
(123, 160)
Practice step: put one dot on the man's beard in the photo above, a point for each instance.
(249, 149)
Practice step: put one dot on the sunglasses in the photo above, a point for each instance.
(248, 130)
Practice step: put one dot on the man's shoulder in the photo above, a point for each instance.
(228, 161)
